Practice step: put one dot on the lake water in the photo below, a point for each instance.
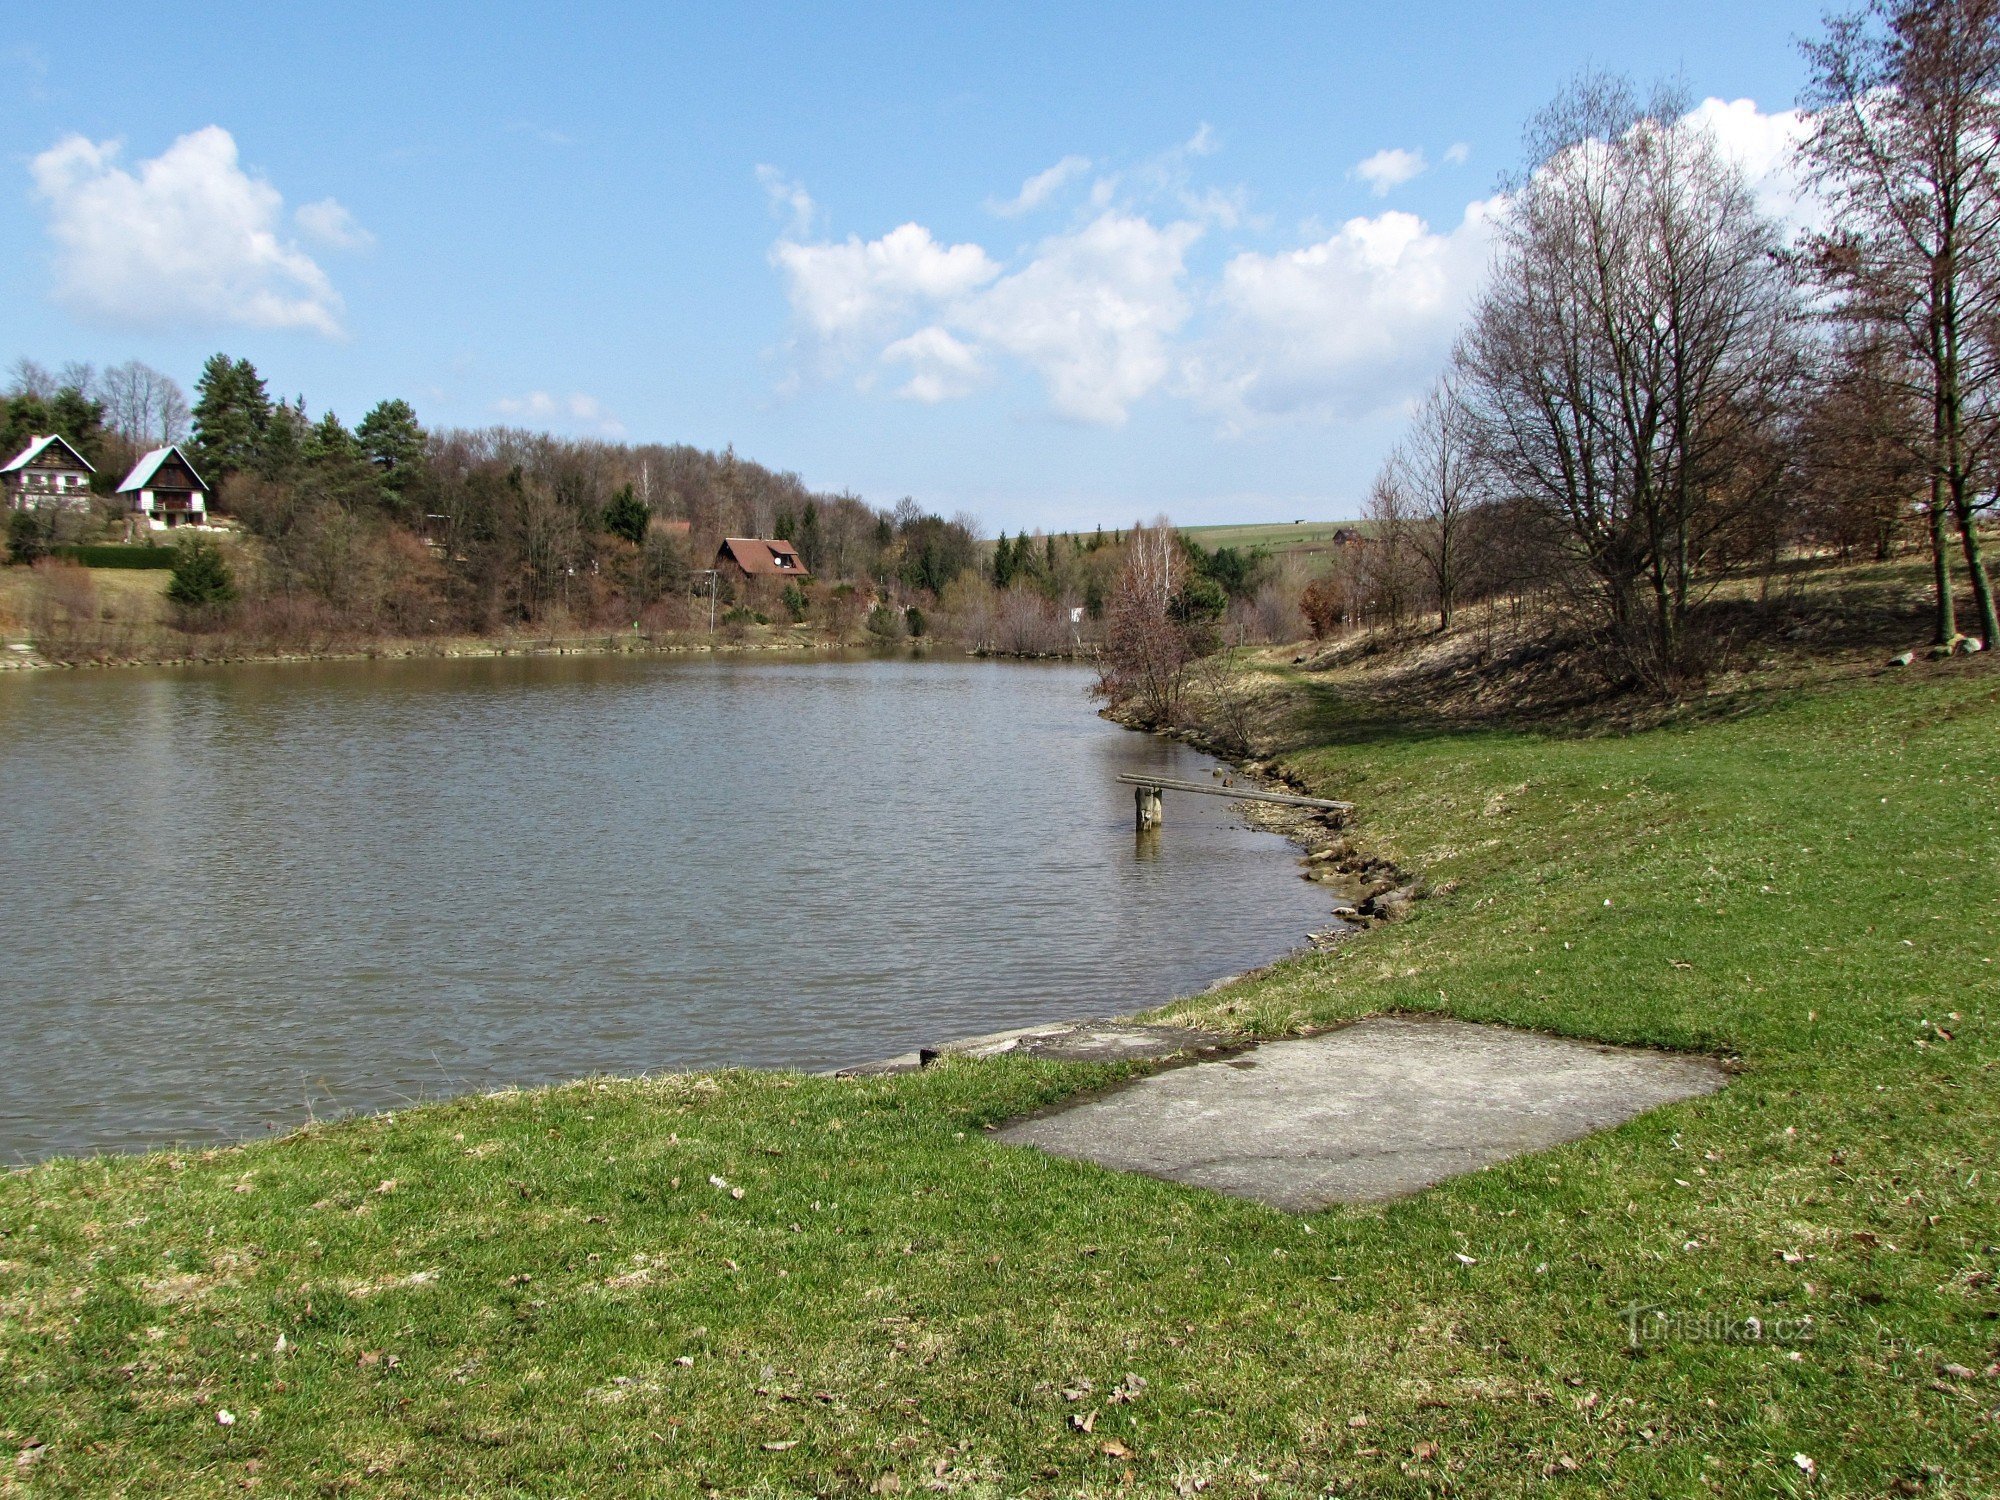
(236, 897)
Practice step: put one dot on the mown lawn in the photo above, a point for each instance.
(563, 1292)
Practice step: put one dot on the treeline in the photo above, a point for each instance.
(1659, 392)
(385, 528)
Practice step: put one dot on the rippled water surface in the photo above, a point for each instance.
(236, 896)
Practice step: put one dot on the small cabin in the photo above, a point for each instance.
(163, 491)
(752, 558)
(48, 474)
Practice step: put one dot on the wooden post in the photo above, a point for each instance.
(1147, 806)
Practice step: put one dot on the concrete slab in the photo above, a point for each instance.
(1377, 1110)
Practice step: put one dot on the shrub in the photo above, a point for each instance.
(201, 583)
(794, 600)
(914, 622)
(117, 555)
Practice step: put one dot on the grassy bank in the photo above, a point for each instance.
(769, 1284)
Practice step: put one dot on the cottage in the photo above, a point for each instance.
(746, 559)
(164, 491)
(48, 474)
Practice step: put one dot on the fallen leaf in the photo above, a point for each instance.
(781, 1447)
(1463, 1259)
(1115, 1449)
(1806, 1465)
(1083, 1422)
(1357, 1421)
(1424, 1452)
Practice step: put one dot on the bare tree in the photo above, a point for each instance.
(1435, 474)
(1147, 653)
(1631, 361)
(1907, 147)
(144, 406)
(1390, 566)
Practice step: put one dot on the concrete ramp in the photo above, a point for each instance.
(1377, 1110)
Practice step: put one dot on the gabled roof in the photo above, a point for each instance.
(33, 451)
(761, 557)
(144, 470)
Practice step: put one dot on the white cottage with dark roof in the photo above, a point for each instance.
(164, 491)
(48, 474)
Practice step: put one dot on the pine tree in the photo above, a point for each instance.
(231, 411)
(201, 578)
(391, 439)
(809, 539)
(329, 443)
(627, 516)
(1003, 563)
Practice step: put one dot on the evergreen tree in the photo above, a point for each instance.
(391, 440)
(285, 434)
(201, 578)
(28, 536)
(782, 531)
(627, 516)
(231, 411)
(329, 443)
(810, 542)
(1003, 563)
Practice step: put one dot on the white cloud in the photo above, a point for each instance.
(1093, 312)
(1345, 328)
(1765, 148)
(789, 196)
(189, 238)
(1457, 154)
(942, 367)
(1389, 169)
(576, 409)
(1041, 187)
(329, 222)
(1341, 329)
(846, 289)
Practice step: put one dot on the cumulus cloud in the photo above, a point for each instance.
(1093, 311)
(329, 223)
(186, 239)
(575, 409)
(1389, 169)
(1765, 149)
(1341, 329)
(1347, 327)
(942, 367)
(841, 290)
(1041, 187)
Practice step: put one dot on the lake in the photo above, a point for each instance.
(240, 897)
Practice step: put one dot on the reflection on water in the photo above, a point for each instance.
(238, 895)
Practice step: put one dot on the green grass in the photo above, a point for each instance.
(543, 1293)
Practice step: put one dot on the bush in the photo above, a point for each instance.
(201, 583)
(794, 600)
(914, 622)
(884, 623)
(27, 537)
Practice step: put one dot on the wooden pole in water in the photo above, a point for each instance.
(1147, 805)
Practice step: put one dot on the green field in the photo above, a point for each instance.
(761, 1284)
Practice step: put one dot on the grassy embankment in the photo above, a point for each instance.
(549, 1292)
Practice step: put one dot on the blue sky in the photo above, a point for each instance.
(811, 232)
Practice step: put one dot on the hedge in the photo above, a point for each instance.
(118, 555)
